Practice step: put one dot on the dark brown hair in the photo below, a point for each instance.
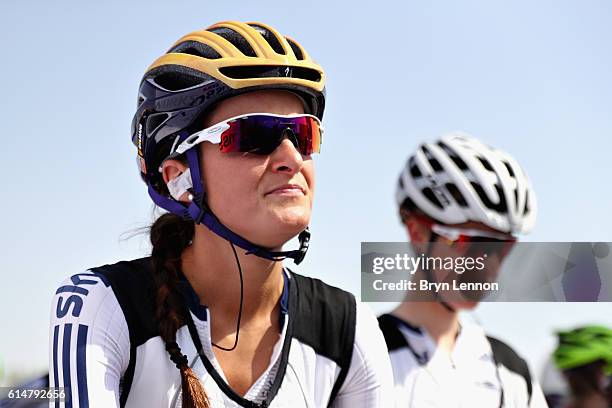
(583, 380)
(170, 235)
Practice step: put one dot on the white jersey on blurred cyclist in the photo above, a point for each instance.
(472, 375)
(458, 190)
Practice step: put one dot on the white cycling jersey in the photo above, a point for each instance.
(480, 372)
(106, 350)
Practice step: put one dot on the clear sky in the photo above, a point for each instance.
(532, 78)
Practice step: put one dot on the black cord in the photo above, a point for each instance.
(241, 298)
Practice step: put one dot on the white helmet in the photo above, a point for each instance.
(459, 179)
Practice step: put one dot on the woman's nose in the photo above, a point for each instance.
(286, 158)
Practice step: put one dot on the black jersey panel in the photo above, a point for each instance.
(325, 318)
(134, 287)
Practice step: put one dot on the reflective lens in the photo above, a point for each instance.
(466, 239)
(492, 245)
(262, 134)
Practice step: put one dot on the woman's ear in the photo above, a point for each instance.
(418, 232)
(171, 169)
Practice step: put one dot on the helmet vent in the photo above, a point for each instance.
(435, 164)
(270, 38)
(500, 207)
(176, 81)
(526, 209)
(296, 50)
(236, 39)
(428, 192)
(454, 191)
(267, 71)
(459, 162)
(196, 48)
(414, 169)
(509, 169)
(153, 121)
(453, 156)
(516, 195)
(485, 163)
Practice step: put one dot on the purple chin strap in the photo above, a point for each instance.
(200, 213)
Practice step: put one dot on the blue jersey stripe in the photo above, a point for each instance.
(66, 364)
(56, 382)
(72, 289)
(81, 366)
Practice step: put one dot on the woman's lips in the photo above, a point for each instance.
(287, 189)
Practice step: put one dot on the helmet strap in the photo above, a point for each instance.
(199, 211)
(429, 275)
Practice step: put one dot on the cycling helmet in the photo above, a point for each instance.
(583, 346)
(459, 179)
(198, 71)
(205, 67)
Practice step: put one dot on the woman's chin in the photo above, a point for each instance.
(283, 227)
(273, 230)
(290, 218)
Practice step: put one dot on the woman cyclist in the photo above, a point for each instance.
(585, 357)
(453, 194)
(226, 124)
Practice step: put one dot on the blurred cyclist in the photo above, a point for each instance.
(458, 197)
(585, 357)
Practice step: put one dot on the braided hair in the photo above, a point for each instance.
(170, 235)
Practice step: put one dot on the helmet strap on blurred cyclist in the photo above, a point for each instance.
(429, 275)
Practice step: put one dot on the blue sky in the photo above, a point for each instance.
(532, 78)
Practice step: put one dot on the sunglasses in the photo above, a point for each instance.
(463, 239)
(260, 133)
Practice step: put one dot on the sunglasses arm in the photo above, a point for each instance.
(211, 134)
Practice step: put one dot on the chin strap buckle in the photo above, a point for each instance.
(304, 239)
(297, 255)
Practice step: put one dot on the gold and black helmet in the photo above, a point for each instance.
(207, 66)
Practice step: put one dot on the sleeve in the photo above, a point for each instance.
(88, 342)
(369, 382)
